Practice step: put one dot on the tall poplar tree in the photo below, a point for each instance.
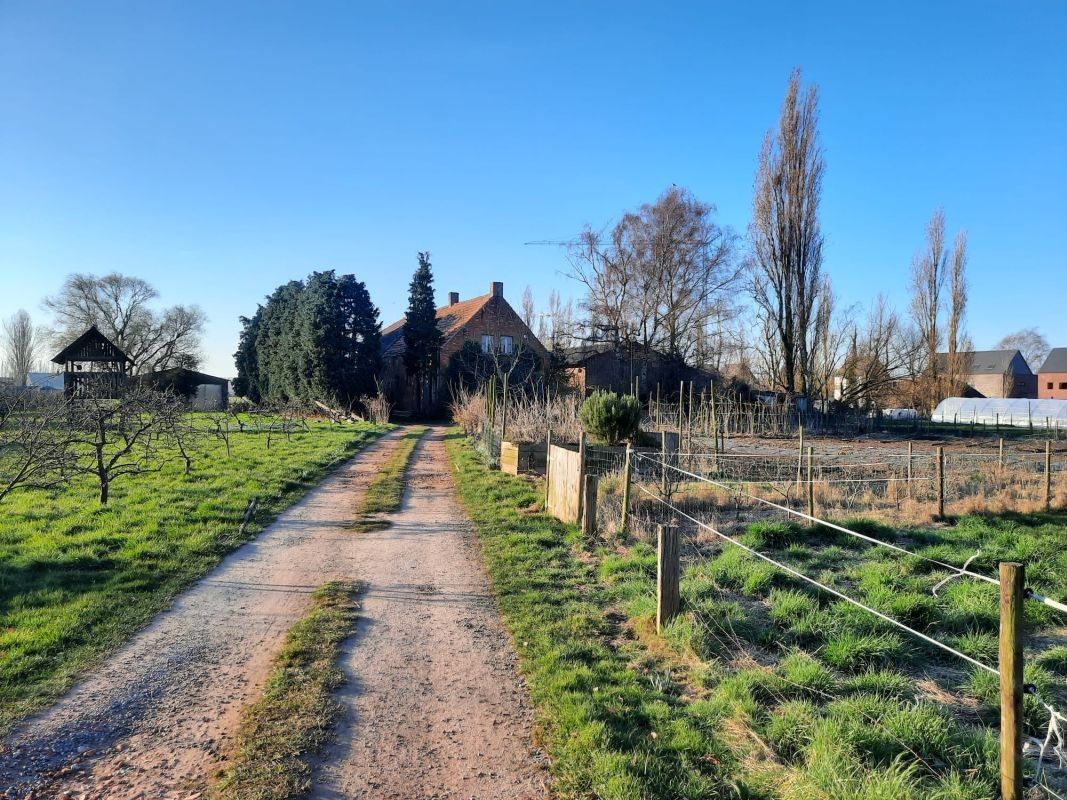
(422, 338)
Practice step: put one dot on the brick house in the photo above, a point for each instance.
(488, 321)
(994, 373)
(1052, 376)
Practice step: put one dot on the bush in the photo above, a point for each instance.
(611, 417)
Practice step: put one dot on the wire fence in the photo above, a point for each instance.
(712, 497)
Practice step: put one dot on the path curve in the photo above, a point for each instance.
(155, 719)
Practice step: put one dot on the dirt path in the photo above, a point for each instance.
(154, 720)
(434, 709)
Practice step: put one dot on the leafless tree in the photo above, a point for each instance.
(661, 277)
(1030, 342)
(933, 268)
(34, 440)
(128, 435)
(786, 239)
(21, 344)
(527, 307)
(121, 307)
(557, 329)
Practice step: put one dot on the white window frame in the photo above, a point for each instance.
(487, 343)
(507, 345)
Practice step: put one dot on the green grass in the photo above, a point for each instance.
(386, 490)
(77, 579)
(296, 714)
(609, 716)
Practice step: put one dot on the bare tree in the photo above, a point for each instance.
(1031, 343)
(34, 441)
(786, 239)
(527, 307)
(121, 307)
(557, 329)
(114, 438)
(21, 344)
(933, 268)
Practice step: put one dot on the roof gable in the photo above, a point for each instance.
(989, 362)
(91, 346)
(1056, 361)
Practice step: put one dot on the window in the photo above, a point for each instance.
(1050, 384)
(506, 345)
(487, 344)
(1063, 385)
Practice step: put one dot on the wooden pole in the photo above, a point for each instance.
(589, 506)
(811, 487)
(1048, 475)
(800, 455)
(689, 422)
(667, 575)
(663, 460)
(1000, 454)
(548, 466)
(910, 460)
(581, 471)
(681, 408)
(627, 477)
(1012, 582)
(940, 482)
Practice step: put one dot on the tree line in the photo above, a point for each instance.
(669, 277)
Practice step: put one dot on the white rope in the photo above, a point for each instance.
(1054, 733)
(814, 582)
(966, 564)
(831, 525)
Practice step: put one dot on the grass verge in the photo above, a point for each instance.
(610, 717)
(296, 713)
(385, 491)
(77, 579)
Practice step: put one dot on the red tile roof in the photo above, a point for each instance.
(450, 320)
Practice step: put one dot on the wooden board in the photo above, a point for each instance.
(564, 484)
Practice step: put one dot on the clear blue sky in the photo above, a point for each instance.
(219, 149)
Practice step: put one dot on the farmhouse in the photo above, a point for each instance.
(487, 322)
(616, 368)
(1052, 376)
(994, 373)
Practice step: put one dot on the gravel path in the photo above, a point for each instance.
(434, 709)
(153, 721)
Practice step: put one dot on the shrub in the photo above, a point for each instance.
(611, 417)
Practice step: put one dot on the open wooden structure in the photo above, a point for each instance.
(93, 366)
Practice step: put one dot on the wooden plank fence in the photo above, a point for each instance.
(565, 473)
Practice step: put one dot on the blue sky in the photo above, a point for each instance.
(220, 149)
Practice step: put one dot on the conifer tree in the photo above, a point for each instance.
(422, 338)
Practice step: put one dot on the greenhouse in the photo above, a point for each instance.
(1012, 412)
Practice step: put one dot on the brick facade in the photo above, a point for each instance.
(460, 322)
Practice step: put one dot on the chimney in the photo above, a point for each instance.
(453, 298)
(496, 289)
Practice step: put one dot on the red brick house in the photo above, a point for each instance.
(1052, 377)
(488, 321)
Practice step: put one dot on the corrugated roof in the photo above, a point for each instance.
(1056, 361)
(989, 362)
(450, 320)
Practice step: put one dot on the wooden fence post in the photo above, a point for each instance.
(940, 482)
(1012, 582)
(811, 487)
(581, 472)
(1048, 475)
(667, 575)
(910, 460)
(800, 454)
(548, 466)
(1000, 454)
(663, 460)
(589, 506)
(627, 477)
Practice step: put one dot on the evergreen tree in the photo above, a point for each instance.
(247, 382)
(422, 338)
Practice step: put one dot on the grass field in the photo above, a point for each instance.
(386, 490)
(77, 578)
(763, 688)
